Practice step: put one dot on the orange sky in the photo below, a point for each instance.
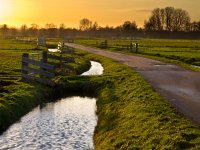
(69, 12)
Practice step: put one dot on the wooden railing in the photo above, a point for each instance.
(37, 70)
(132, 46)
(35, 66)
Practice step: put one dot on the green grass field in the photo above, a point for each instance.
(187, 51)
(18, 96)
(130, 114)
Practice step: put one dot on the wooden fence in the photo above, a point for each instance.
(132, 46)
(36, 67)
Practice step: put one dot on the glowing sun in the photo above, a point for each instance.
(5, 8)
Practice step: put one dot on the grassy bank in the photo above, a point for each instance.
(130, 114)
(17, 97)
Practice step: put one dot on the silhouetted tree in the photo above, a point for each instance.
(4, 29)
(13, 31)
(180, 20)
(62, 30)
(85, 24)
(195, 26)
(95, 26)
(23, 30)
(51, 29)
(129, 28)
(169, 19)
(34, 29)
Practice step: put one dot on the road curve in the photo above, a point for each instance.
(179, 86)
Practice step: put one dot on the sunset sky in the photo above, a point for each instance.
(69, 12)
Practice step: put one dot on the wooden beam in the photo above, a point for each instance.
(49, 67)
(65, 66)
(66, 59)
(24, 64)
(40, 72)
(40, 80)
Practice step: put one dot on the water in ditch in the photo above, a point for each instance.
(54, 50)
(96, 69)
(68, 124)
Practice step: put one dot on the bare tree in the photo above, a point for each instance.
(129, 28)
(169, 16)
(168, 19)
(62, 29)
(181, 19)
(85, 24)
(34, 29)
(51, 29)
(4, 29)
(24, 30)
(148, 25)
(95, 26)
(13, 31)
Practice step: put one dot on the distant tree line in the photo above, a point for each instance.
(163, 23)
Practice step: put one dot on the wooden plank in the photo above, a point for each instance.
(49, 67)
(40, 72)
(68, 59)
(69, 49)
(24, 64)
(40, 80)
(65, 59)
(53, 57)
(65, 66)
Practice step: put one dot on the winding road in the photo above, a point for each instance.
(179, 86)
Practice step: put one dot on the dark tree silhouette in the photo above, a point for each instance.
(5, 29)
(168, 19)
(34, 29)
(85, 24)
(23, 30)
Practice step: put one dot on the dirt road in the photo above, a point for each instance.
(179, 86)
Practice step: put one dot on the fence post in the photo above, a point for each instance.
(61, 53)
(24, 64)
(106, 44)
(131, 46)
(136, 47)
(44, 56)
(44, 60)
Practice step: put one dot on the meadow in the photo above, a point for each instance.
(186, 51)
(17, 97)
(131, 115)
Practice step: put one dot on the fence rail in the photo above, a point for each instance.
(66, 59)
(38, 63)
(41, 70)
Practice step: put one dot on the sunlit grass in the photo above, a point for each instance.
(131, 115)
(18, 96)
(187, 51)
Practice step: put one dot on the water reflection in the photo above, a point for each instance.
(66, 124)
(96, 69)
(53, 50)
